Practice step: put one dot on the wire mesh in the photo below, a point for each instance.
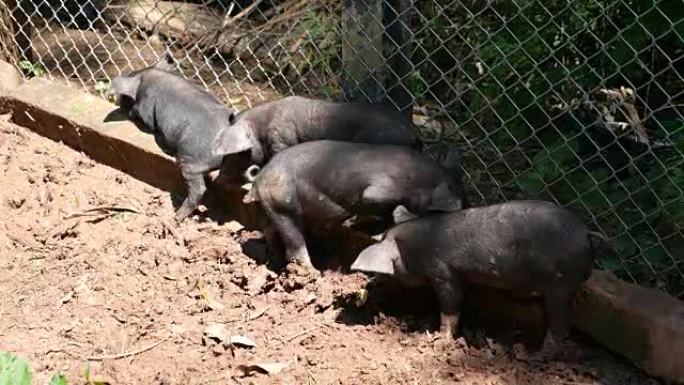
(575, 101)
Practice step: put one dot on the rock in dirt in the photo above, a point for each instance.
(297, 277)
(254, 280)
(644, 325)
(10, 78)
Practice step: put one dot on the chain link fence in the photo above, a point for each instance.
(580, 102)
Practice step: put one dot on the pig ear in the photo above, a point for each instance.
(378, 258)
(452, 205)
(445, 200)
(125, 86)
(401, 215)
(231, 140)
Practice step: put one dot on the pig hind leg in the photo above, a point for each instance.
(449, 295)
(290, 230)
(557, 305)
(196, 190)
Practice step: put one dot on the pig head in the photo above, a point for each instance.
(384, 257)
(123, 90)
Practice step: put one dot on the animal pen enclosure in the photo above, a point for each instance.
(576, 101)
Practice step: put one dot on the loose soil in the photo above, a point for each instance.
(132, 295)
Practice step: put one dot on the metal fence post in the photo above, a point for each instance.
(398, 51)
(19, 28)
(363, 62)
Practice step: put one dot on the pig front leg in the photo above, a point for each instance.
(196, 189)
(274, 246)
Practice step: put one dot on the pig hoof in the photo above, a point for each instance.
(519, 352)
(302, 269)
(443, 343)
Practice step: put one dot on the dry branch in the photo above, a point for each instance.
(128, 354)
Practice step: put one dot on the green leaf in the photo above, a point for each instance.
(530, 182)
(610, 263)
(14, 370)
(86, 374)
(59, 379)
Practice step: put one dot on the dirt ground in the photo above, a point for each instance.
(141, 300)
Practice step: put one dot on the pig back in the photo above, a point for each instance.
(339, 173)
(342, 170)
(351, 122)
(188, 117)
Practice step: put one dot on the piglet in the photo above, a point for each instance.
(529, 247)
(324, 183)
(279, 124)
(185, 120)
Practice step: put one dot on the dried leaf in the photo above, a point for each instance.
(67, 297)
(217, 332)
(214, 305)
(270, 368)
(239, 340)
(210, 302)
(100, 380)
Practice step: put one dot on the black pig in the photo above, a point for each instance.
(277, 125)
(530, 247)
(323, 183)
(185, 120)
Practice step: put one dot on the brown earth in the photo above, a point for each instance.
(131, 294)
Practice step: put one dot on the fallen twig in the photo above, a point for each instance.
(667, 107)
(228, 21)
(102, 210)
(258, 314)
(128, 354)
(302, 333)
(52, 351)
(2, 333)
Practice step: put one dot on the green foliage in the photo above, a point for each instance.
(14, 370)
(529, 66)
(323, 35)
(31, 69)
(59, 379)
(417, 84)
(639, 209)
(102, 87)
